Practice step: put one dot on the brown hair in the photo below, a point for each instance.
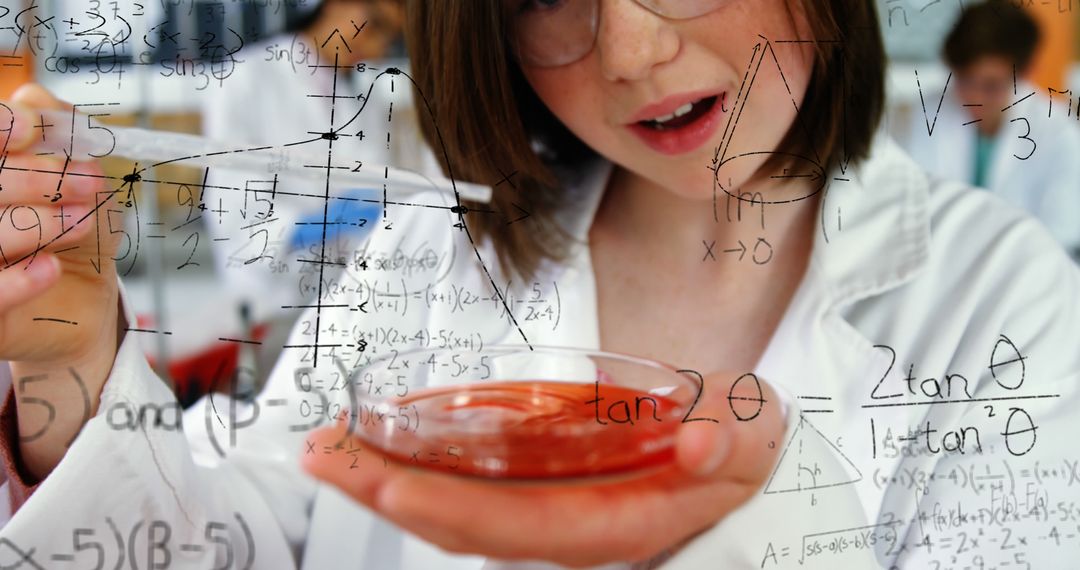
(993, 28)
(491, 123)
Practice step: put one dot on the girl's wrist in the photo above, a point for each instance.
(53, 400)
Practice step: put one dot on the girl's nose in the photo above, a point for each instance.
(631, 40)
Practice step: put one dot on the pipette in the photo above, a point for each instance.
(85, 138)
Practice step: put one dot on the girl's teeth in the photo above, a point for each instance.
(678, 113)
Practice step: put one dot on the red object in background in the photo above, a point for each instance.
(210, 369)
(16, 70)
(528, 430)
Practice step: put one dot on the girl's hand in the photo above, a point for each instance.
(58, 311)
(719, 466)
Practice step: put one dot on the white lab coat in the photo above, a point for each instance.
(1033, 164)
(937, 272)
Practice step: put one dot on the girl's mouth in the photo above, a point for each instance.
(682, 116)
(683, 130)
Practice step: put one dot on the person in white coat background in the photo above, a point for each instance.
(279, 93)
(994, 129)
(915, 338)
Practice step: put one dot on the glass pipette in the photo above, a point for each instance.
(85, 138)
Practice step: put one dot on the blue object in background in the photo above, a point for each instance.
(351, 216)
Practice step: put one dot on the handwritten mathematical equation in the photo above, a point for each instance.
(981, 478)
(448, 458)
(1008, 370)
(987, 539)
(897, 14)
(109, 38)
(147, 544)
(539, 303)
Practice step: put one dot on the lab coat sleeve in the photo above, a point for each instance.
(760, 533)
(138, 488)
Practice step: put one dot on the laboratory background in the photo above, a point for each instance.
(223, 272)
(241, 70)
(244, 70)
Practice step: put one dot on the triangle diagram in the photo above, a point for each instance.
(798, 471)
(764, 91)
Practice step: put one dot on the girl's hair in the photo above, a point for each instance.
(495, 130)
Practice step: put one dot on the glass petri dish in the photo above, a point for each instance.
(511, 412)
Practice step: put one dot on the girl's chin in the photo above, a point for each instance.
(698, 189)
(690, 179)
(687, 179)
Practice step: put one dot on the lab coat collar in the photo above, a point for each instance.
(872, 232)
(872, 235)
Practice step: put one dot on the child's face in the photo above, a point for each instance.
(644, 66)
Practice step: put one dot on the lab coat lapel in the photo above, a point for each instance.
(890, 247)
(824, 364)
(815, 352)
(884, 237)
(819, 362)
(571, 282)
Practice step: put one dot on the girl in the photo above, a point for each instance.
(705, 187)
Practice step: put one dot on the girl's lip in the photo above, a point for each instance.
(683, 139)
(667, 105)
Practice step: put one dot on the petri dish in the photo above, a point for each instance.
(515, 413)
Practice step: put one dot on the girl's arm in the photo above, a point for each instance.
(120, 485)
(144, 484)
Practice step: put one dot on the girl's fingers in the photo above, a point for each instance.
(22, 282)
(16, 127)
(348, 463)
(26, 229)
(582, 525)
(17, 118)
(36, 96)
(40, 180)
(738, 432)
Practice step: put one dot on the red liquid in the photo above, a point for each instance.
(529, 430)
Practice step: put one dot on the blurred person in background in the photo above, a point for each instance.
(610, 110)
(280, 92)
(995, 129)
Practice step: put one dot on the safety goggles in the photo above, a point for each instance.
(550, 33)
